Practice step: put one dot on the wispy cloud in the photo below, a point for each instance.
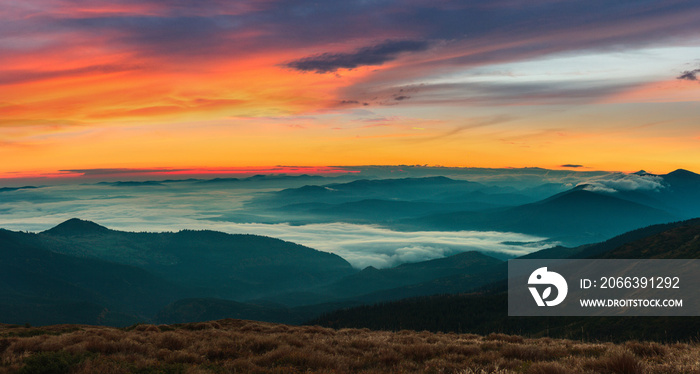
(689, 75)
(9, 77)
(366, 56)
(624, 182)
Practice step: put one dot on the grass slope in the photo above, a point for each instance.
(236, 346)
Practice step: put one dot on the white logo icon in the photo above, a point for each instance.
(542, 276)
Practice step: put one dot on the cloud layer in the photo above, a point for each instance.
(364, 245)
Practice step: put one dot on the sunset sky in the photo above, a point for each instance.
(218, 85)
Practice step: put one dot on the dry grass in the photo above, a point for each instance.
(234, 346)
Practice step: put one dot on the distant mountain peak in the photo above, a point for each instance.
(371, 270)
(642, 173)
(683, 173)
(76, 226)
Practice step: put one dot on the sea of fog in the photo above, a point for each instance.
(177, 206)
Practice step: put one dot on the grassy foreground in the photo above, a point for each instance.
(235, 346)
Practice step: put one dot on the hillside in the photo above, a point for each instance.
(82, 272)
(194, 275)
(220, 265)
(43, 287)
(677, 242)
(368, 285)
(74, 269)
(205, 309)
(371, 280)
(486, 311)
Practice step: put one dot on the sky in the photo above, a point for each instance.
(213, 85)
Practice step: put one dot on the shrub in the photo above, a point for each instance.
(618, 362)
(587, 350)
(260, 345)
(548, 368)
(647, 349)
(161, 369)
(146, 328)
(532, 352)
(623, 363)
(505, 338)
(58, 362)
(171, 340)
(418, 352)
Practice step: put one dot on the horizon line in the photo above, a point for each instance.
(163, 173)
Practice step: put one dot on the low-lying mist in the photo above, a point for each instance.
(194, 205)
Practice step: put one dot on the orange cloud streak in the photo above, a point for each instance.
(659, 92)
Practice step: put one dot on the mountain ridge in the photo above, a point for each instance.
(232, 266)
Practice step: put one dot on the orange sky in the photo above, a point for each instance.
(125, 84)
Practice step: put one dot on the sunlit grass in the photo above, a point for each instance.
(235, 346)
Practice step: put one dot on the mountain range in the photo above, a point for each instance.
(82, 272)
(586, 213)
(40, 285)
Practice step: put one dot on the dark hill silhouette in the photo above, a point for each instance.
(222, 265)
(683, 192)
(681, 175)
(42, 287)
